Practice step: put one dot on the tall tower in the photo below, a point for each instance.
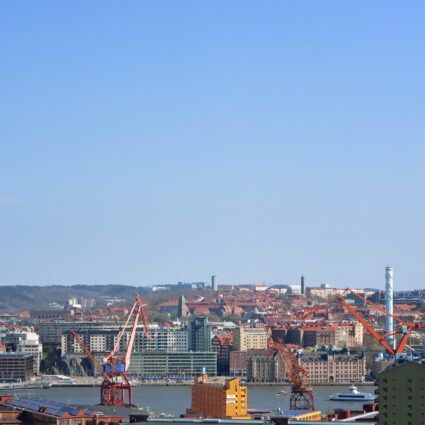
(389, 290)
(182, 310)
(214, 282)
(302, 285)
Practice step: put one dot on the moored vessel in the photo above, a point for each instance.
(353, 394)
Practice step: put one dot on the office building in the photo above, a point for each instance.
(16, 366)
(156, 365)
(199, 334)
(26, 342)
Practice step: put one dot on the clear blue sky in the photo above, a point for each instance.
(147, 142)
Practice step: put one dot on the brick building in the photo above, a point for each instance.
(342, 335)
(262, 367)
(222, 400)
(16, 366)
(237, 363)
(222, 344)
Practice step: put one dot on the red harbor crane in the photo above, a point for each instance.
(115, 381)
(301, 391)
(404, 328)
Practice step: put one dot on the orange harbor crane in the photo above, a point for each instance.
(301, 391)
(404, 328)
(115, 381)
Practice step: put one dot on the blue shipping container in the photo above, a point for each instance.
(106, 368)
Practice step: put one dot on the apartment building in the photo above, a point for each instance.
(51, 332)
(249, 338)
(334, 368)
(200, 334)
(222, 344)
(26, 342)
(100, 341)
(338, 334)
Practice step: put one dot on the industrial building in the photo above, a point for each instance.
(402, 394)
(221, 400)
(27, 411)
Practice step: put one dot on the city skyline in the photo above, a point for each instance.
(160, 142)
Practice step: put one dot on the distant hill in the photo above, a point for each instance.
(25, 297)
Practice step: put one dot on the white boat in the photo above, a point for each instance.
(353, 395)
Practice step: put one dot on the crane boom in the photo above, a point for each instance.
(405, 328)
(90, 355)
(379, 338)
(378, 308)
(117, 344)
(138, 311)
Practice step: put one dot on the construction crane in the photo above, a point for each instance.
(301, 391)
(115, 381)
(404, 328)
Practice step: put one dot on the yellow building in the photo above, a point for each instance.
(221, 400)
(297, 415)
(249, 338)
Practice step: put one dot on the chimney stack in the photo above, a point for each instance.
(302, 285)
(389, 293)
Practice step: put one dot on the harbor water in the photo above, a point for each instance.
(175, 399)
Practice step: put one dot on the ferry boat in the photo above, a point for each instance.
(352, 395)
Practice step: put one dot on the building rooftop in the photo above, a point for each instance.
(51, 408)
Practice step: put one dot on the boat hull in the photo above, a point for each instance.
(352, 399)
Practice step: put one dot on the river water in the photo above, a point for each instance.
(175, 399)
